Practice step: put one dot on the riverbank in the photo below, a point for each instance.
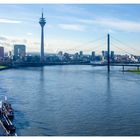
(137, 71)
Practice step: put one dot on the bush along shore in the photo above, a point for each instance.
(3, 67)
(137, 71)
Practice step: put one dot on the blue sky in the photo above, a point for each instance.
(70, 27)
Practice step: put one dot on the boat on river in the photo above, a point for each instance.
(6, 118)
(7, 109)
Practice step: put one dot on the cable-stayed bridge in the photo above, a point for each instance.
(110, 44)
(103, 43)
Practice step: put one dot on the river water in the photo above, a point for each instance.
(73, 100)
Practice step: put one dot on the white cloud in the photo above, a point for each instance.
(125, 25)
(72, 9)
(29, 34)
(2, 20)
(8, 43)
(115, 23)
(110, 23)
(75, 27)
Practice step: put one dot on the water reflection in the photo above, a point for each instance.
(108, 106)
(41, 80)
(42, 74)
(41, 85)
(108, 88)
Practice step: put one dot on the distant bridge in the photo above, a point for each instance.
(35, 64)
(121, 64)
(118, 64)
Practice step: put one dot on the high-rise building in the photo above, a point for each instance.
(104, 54)
(10, 54)
(93, 55)
(112, 55)
(81, 53)
(19, 50)
(1, 52)
(42, 23)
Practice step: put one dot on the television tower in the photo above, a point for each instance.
(42, 23)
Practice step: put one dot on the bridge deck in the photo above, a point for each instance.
(129, 65)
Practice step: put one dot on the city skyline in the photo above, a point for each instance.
(69, 27)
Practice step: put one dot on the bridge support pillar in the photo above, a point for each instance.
(108, 50)
(138, 68)
(123, 68)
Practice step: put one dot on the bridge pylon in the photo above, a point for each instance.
(108, 52)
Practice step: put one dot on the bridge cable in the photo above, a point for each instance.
(89, 42)
(122, 49)
(122, 43)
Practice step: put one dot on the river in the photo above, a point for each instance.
(73, 100)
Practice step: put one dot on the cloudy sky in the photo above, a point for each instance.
(71, 28)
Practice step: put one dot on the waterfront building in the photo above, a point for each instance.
(104, 54)
(19, 51)
(60, 55)
(81, 53)
(76, 56)
(112, 55)
(67, 57)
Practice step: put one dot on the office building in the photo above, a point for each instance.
(19, 51)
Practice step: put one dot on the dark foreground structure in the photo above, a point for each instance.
(6, 119)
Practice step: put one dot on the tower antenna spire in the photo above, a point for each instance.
(42, 12)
